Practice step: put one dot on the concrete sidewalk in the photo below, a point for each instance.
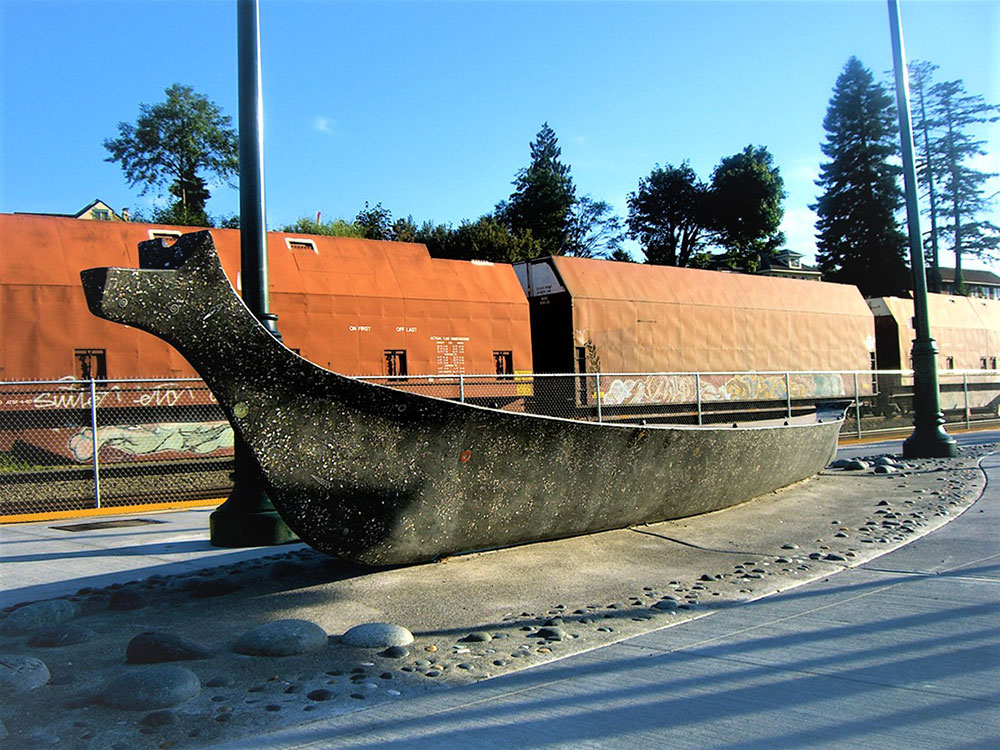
(902, 652)
(50, 559)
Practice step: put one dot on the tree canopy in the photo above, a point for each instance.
(668, 214)
(676, 216)
(177, 143)
(858, 237)
(962, 187)
(543, 197)
(334, 228)
(745, 206)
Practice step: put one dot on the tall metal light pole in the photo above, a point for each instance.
(929, 440)
(247, 518)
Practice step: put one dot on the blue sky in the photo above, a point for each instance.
(429, 108)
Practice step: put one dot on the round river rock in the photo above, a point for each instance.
(281, 638)
(150, 688)
(64, 634)
(39, 614)
(377, 635)
(153, 648)
(19, 674)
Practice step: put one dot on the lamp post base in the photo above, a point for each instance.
(930, 442)
(247, 519)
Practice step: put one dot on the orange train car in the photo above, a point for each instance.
(628, 319)
(967, 332)
(358, 307)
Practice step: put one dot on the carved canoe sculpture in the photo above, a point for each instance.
(381, 476)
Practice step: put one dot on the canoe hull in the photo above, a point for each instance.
(381, 476)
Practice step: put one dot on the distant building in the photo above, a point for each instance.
(788, 264)
(981, 284)
(96, 210)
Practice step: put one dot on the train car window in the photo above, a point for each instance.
(504, 362)
(91, 364)
(395, 363)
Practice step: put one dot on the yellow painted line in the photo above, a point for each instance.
(905, 432)
(118, 510)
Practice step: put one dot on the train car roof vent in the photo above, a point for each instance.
(164, 234)
(299, 243)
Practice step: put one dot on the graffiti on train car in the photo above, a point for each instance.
(163, 440)
(683, 389)
(75, 394)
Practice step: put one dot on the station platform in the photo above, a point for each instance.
(901, 650)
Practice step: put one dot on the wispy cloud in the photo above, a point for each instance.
(323, 124)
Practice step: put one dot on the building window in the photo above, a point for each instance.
(100, 214)
(504, 362)
(395, 363)
(950, 363)
(982, 363)
(91, 364)
(993, 363)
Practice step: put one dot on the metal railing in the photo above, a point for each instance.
(71, 445)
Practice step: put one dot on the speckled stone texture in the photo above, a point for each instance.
(381, 476)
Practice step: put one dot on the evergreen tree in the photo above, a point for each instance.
(858, 239)
(543, 198)
(962, 186)
(921, 74)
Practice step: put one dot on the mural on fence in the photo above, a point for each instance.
(681, 389)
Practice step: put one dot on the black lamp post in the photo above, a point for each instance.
(929, 440)
(247, 518)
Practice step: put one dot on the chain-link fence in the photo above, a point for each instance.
(71, 445)
(74, 445)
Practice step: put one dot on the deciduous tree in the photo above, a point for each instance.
(668, 215)
(334, 228)
(745, 206)
(176, 143)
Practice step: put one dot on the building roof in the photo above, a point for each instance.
(970, 276)
(96, 203)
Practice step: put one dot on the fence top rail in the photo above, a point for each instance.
(521, 376)
(515, 377)
(106, 381)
